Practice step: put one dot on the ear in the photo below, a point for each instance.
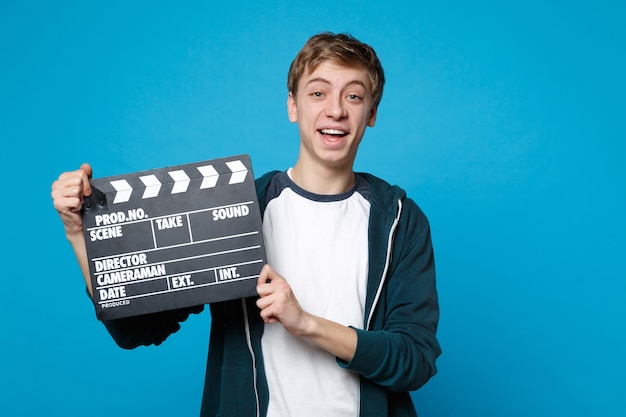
(372, 119)
(292, 108)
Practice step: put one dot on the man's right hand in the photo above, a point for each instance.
(68, 194)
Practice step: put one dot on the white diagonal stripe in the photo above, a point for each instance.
(209, 176)
(181, 181)
(239, 171)
(153, 186)
(123, 189)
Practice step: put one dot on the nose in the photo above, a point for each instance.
(336, 108)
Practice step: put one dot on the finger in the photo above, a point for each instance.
(265, 275)
(265, 289)
(263, 303)
(267, 313)
(79, 178)
(88, 172)
(67, 204)
(85, 167)
(68, 190)
(269, 319)
(67, 194)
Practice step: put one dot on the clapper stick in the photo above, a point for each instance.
(173, 237)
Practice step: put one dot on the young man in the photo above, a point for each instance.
(347, 312)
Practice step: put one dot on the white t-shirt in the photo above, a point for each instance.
(319, 244)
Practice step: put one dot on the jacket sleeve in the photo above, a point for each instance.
(400, 348)
(148, 329)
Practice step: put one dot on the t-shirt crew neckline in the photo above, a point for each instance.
(358, 184)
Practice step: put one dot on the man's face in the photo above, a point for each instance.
(333, 107)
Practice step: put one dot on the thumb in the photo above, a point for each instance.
(86, 168)
(264, 276)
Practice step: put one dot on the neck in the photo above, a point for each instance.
(322, 180)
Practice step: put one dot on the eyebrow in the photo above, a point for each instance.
(325, 81)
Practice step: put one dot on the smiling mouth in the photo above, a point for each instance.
(333, 132)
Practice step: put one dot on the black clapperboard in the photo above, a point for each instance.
(173, 237)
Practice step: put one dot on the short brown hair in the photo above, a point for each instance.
(342, 48)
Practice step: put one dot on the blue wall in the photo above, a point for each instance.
(505, 123)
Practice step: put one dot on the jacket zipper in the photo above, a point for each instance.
(392, 233)
(251, 350)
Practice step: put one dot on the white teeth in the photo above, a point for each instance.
(333, 132)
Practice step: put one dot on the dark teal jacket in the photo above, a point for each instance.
(396, 351)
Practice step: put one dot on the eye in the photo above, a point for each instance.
(354, 97)
(316, 94)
